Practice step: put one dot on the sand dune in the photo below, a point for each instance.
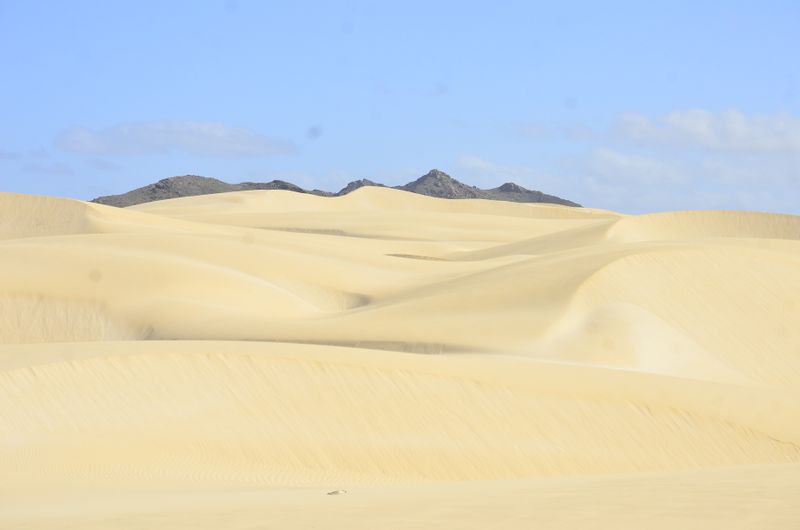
(223, 361)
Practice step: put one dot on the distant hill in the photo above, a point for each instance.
(354, 185)
(186, 186)
(435, 183)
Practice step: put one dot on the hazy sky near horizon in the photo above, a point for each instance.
(633, 106)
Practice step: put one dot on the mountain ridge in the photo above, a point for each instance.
(434, 183)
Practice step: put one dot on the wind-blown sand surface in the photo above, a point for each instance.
(223, 361)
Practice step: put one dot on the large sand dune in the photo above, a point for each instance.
(223, 361)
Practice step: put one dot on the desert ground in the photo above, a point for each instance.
(226, 361)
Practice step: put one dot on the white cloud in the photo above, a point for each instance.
(630, 168)
(764, 172)
(102, 165)
(201, 138)
(632, 183)
(729, 130)
(56, 168)
(685, 159)
(629, 182)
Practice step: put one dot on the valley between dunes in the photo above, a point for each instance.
(224, 361)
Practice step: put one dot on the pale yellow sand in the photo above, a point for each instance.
(224, 361)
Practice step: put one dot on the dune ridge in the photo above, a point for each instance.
(246, 347)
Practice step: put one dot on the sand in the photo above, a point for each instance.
(225, 361)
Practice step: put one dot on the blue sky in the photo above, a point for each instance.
(633, 106)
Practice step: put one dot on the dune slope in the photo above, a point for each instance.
(219, 361)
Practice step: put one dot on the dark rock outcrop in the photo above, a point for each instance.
(354, 185)
(437, 183)
(516, 193)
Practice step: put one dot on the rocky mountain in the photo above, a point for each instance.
(186, 186)
(435, 183)
(354, 185)
(516, 193)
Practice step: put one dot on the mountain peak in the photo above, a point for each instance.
(354, 185)
(271, 185)
(436, 173)
(184, 180)
(436, 183)
(511, 187)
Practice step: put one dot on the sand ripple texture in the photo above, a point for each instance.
(223, 361)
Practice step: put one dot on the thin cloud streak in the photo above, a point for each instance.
(8, 155)
(102, 165)
(730, 130)
(56, 168)
(162, 137)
